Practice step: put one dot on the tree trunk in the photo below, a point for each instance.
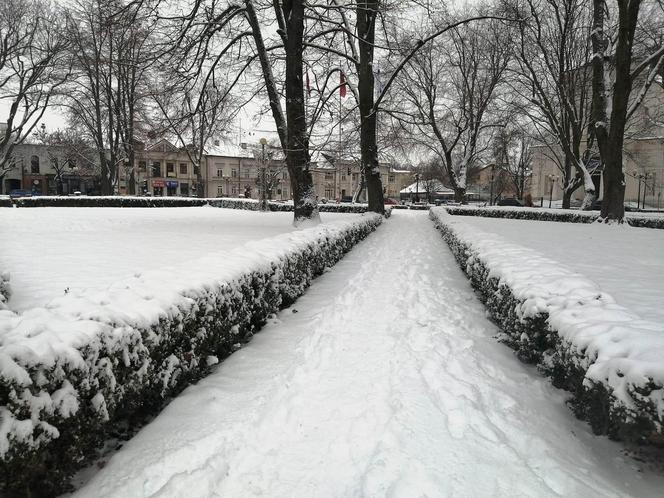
(611, 140)
(366, 26)
(460, 195)
(567, 198)
(297, 155)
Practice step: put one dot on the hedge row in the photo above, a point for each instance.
(5, 201)
(72, 373)
(5, 289)
(129, 201)
(611, 367)
(107, 201)
(566, 215)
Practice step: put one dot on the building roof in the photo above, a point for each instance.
(439, 188)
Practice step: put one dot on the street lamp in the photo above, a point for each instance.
(417, 187)
(553, 179)
(263, 201)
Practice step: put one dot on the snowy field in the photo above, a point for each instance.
(387, 382)
(626, 262)
(48, 250)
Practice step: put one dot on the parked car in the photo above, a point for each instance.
(510, 201)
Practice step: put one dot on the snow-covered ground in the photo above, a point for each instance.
(48, 250)
(386, 382)
(626, 262)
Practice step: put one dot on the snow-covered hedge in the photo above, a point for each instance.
(610, 360)
(540, 214)
(5, 289)
(5, 201)
(72, 371)
(107, 201)
(135, 201)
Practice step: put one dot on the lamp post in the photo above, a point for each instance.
(263, 201)
(646, 176)
(553, 179)
(417, 187)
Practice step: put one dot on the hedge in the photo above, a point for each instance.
(80, 369)
(563, 215)
(5, 201)
(5, 289)
(585, 343)
(146, 202)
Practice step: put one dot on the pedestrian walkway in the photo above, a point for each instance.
(382, 380)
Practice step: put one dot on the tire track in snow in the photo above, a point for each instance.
(387, 382)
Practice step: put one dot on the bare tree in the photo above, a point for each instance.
(615, 73)
(553, 80)
(68, 151)
(32, 68)
(291, 125)
(449, 93)
(513, 158)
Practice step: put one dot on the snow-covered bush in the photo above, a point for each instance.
(5, 201)
(5, 289)
(538, 214)
(72, 371)
(610, 360)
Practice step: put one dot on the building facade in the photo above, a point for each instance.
(161, 169)
(338, 180)
(40, 169)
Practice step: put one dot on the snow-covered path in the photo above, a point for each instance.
(386, 382)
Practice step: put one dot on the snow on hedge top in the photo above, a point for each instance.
(622, 348)
(57, 330)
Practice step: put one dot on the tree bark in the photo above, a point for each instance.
(292, 128)
(610, 134)
(366, 27)
(297, 151)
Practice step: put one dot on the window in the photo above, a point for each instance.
(220, 190)
(220, 172)
(184, 189)
(343, 178)
(390, 178)
(156, 169)
(197, 170)
(170, 169)
(246, 173)
(284, 175)
(284, 193)
(328, 193)
(183, 169)
(329, 176)
(34, 165)
(234, 190)
(234, 173)
(354, 176)
(142, 166)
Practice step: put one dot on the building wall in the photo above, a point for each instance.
(641, 157)
(34, 172)
(342, 180)
(240, 177)
(162, 170)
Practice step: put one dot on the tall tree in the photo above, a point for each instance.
(553, 80)
(449, 95)
(291, 125)
(615, 73)
(33, 66)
